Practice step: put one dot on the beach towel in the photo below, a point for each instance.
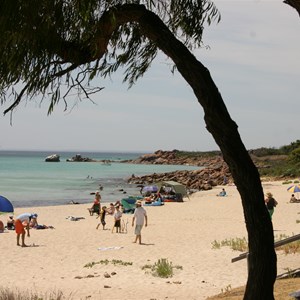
(71, 218)
(110, 248)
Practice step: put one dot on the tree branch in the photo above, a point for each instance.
(293, 3)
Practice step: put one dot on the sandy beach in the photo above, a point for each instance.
(183, 233)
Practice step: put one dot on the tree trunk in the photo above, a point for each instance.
(262, 258)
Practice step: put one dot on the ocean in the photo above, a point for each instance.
(27, 180)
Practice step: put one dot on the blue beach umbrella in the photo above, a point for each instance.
(5, 205)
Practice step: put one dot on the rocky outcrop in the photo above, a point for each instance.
(214, 171)
(53, 158)
(79, 158)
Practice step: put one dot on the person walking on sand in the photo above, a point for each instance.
(22, 222)
(270, 203)
(139, 217)
(102, 218)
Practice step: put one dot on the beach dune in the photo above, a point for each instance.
(85, 263)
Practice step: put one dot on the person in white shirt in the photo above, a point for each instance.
(22, 222)
(118, 216)
(139, 218)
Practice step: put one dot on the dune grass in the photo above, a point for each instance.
(282, 289)
(8, 294)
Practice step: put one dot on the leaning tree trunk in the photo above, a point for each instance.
(262, 258)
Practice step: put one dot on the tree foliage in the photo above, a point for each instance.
(46, 45)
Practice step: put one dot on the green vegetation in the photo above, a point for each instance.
(195, 154)
(238, 244)
(106, 262)
(241, 244)
(162, 268)
(290, 248)
(283, 162)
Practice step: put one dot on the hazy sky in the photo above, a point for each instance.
(254, 60)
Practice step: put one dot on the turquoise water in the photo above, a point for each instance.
(27, 180)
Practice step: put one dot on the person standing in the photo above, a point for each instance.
(270, 203)
(102, 218)
(22, 222)
(117, 217)
(139, 218)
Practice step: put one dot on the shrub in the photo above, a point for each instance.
(162, 268)
(238, 244)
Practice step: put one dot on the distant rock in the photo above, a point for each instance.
(53, 158)
(214, 171)
(79, 158)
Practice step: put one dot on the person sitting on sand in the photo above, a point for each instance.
(102, 217)
(157, 196)
(222, 193)
(294, 199)
(96, 207)
(22, 222)
(10, 223)
(149, 199)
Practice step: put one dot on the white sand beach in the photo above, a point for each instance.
(180, 232)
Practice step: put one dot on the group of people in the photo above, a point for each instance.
(21, 224)
(139, 219)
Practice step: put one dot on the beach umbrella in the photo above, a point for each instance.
(5, 205)
(294, 188)
(150, 188)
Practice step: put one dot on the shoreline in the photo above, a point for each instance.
(183, 233)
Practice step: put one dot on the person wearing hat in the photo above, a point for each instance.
(270, 203)
(139, 218)
(22, 222)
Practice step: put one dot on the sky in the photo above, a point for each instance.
(252, 56)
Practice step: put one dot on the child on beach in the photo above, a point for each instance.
(118, 216)
(111, 209)
(102, 218)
